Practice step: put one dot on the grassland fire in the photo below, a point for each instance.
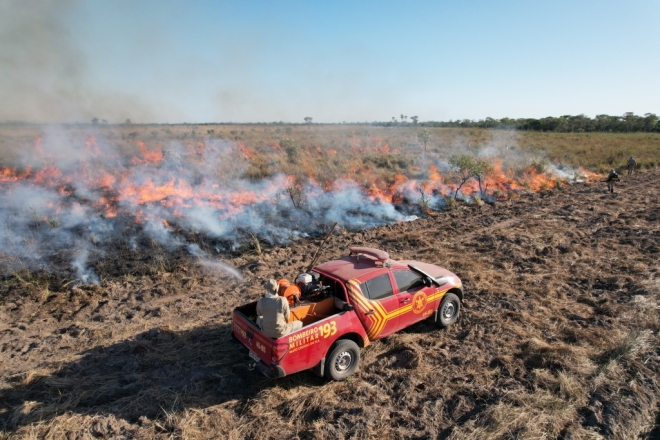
(122, 262)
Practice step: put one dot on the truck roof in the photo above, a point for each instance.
(347, 268)
(350, 267)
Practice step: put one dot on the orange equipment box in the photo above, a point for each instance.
(309, 312)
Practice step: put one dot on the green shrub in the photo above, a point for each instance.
(291, 148)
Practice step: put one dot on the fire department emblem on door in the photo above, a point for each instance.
(419, 302)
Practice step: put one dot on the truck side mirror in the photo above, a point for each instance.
(427, 282)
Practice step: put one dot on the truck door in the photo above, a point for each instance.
(376, 304)
(412, 291)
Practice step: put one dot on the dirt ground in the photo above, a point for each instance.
(558, 336)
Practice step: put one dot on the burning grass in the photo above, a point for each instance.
(78, 190)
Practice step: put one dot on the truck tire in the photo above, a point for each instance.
(448, 311)
(342, 360)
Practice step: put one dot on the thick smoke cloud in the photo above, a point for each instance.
(43, 73)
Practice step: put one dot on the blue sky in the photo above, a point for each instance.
(265, 61)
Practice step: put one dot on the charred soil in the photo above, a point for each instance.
(558, 336)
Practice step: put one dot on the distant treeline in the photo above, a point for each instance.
(627, 123)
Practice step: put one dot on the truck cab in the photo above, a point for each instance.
(385, 296)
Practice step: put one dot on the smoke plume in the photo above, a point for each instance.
(44, 73)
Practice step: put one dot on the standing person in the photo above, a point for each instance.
(632, 163)
(611, 178)
(273, 313)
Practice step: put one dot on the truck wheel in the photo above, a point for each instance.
(342, 360)
(448, 310)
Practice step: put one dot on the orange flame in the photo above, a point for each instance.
(10, 175)
(51, 175)
(108, 206)
(92, 147)
(245, 151)
(150, 192)
(149, 156)
(107, 180)
(177, 194)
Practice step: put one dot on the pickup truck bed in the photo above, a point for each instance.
(273, 357)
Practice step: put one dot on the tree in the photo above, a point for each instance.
(128, 122)
(650, 120)
(95, 121)
(481, 169)
(604, 123)
(629, 117)
(463, 166)
(308, 119)
(296, 192)
(424, 200)
(629, 122)
(424, 137)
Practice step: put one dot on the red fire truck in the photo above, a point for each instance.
(383, 296)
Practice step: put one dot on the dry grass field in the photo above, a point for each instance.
(558, 337)
(328, 152)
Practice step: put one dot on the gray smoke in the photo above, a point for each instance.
(85, 274)
(83, 195)
(44, 73)
(217, 266)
